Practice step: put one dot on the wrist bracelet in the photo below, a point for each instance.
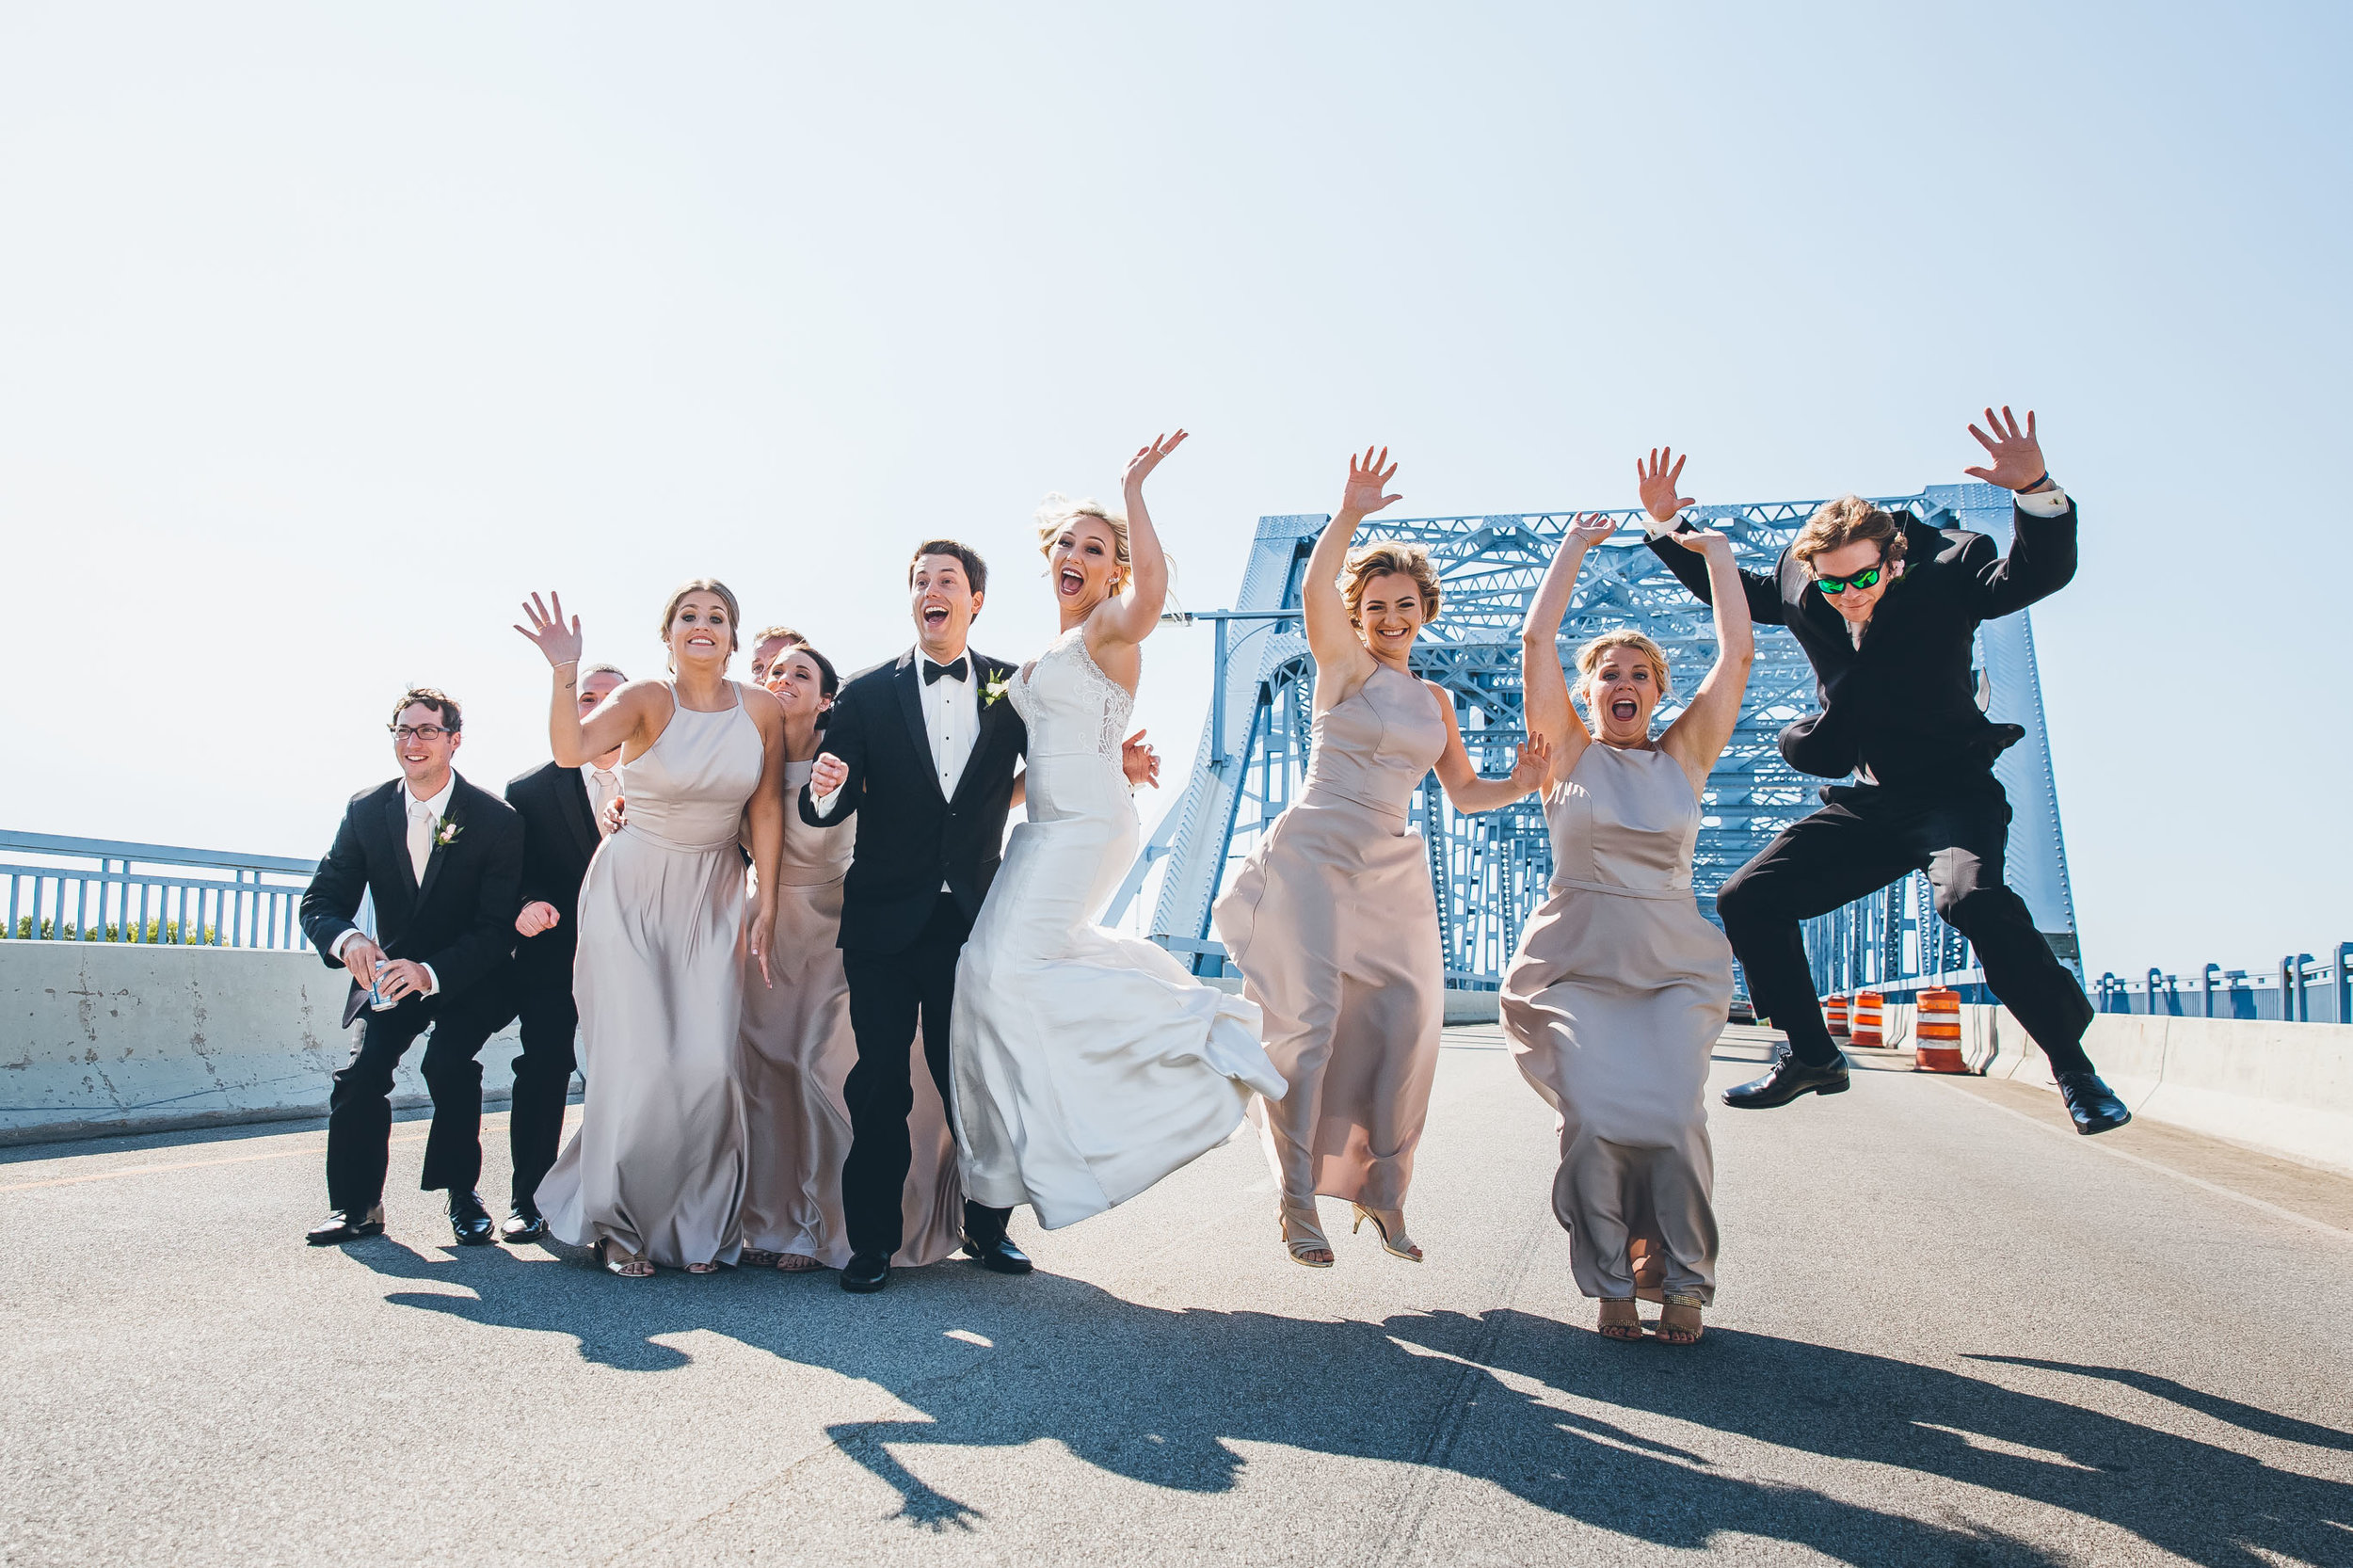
(2025, 489)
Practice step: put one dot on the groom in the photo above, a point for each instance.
(924, 746)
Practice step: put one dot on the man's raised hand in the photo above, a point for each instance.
(1657, 480)
(2017, 457)
(1368, 480)
(829, 775)
(547, 630)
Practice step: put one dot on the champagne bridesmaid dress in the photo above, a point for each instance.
(657, 1166)
(1335, 927)
(1613, 1005)
(797, 1050)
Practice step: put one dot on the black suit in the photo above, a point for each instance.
(901, 933)
(459, 922)
(560, 837)
(1903, 707)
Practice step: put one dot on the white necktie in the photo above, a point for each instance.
(607, 787)
(419, 838)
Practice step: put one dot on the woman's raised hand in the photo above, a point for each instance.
(1589, 529)
(1368, 480)
(547, 628)
(1657, 481)
(1534, 761)
(1139, 467)
(1702, 540)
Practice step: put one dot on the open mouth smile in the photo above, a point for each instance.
(1071, 582)
(1625, 708)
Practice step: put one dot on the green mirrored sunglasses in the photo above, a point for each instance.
(1835, 585)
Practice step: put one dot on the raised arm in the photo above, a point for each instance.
(1697, 738)
(1658, 484)
(1463, 784)
(620, 719)
(1131, 615)
(1544, 684)
(1342, 661)
(2042, 558)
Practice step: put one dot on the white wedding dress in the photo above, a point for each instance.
(1086, 1064)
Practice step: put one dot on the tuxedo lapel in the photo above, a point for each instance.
(579, 813)
(909, 682)
(992, 722)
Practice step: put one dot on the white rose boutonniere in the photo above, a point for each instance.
(995, 689)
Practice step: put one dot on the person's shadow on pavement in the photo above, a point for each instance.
(1507, 1397)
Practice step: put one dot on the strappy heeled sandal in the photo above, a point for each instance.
(1393, 1241)
(1311, 1239)
(1680, 1323)
(626, 1265)
(1620, 1319)
(702, 1268)
(796, 1263)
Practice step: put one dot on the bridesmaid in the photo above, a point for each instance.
(796, 1046)
(1332, 920)
(656, 1172)
(1620, 988)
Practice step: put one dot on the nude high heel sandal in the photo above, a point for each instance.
(1393, 1238)
(1302, 1234)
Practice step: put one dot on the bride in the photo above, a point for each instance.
(1087, 1065)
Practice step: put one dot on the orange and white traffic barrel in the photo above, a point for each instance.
(1834, 1015)
(1869, 1007)
(1936, 1034)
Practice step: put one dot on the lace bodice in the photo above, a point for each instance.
(1069, 706)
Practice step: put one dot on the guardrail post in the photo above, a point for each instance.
(2205, 985)
(2345, 985)
(2157, 980)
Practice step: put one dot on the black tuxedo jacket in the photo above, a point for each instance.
(459, 921)
(910, 837)
(560, 837)
(1905, 703)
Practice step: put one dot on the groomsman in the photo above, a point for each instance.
(443, 862)
(563, 816)
(1887, 610)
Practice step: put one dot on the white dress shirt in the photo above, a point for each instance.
(435, 807)
(602, 785)
(952, 722)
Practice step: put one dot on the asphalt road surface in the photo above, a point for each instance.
(1947, 1331)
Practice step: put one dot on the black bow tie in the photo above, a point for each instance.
(954, 669)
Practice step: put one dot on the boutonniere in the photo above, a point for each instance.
(995, 689)
(447, 834)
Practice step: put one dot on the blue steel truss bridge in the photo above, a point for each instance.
(1489, 871)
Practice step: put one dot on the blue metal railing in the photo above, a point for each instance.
(2300, 988)
(71, 889)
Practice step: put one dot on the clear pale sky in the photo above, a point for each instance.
(328, 331)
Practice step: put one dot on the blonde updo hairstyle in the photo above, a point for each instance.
(1381, 559)
(699, 585)
(1057, 512)
(1589, 659)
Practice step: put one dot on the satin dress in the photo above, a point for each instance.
(658, 1164)
(1334, 928)
(796, 1053)
(1613, 1005)
(1086, 1064)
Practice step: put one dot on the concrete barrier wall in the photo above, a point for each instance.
(2285, 1089)
(102, 1037)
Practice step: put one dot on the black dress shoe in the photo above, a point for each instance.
(1788, 1078)
(525, 1224)
(999, 1257)
(866, 1273)
(347, 1224)
(2091, 1104)
(471, 1221)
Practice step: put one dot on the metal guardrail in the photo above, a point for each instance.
(2300, 990)
(63, 888)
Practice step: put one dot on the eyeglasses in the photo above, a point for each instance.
(418, 731)
(1835, 585)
